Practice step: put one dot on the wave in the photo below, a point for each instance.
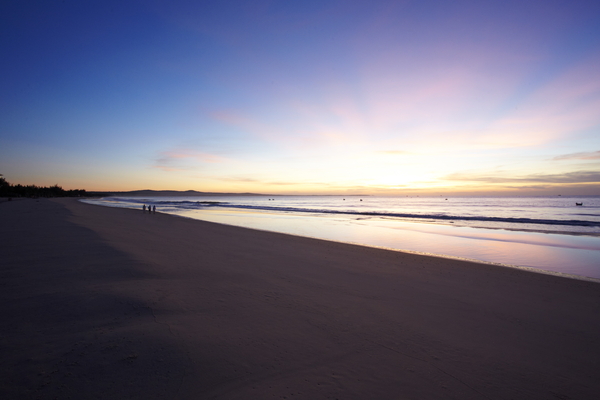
(438, 217)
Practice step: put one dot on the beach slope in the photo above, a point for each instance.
(102, 303)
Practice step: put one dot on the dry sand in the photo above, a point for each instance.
(114, 303)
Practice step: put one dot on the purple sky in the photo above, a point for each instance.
(379, 97)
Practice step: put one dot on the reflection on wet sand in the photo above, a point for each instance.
(567, 254)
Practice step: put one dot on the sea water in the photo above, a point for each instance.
(544, 233)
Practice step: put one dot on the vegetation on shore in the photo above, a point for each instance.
(8, 190)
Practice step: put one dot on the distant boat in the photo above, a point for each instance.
(578, 204)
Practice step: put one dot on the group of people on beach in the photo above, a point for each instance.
(151, 209)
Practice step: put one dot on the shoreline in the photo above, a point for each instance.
(548, 253)
(516, 224)
(421, 253)
(107, 302)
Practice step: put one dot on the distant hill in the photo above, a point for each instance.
(151, 193)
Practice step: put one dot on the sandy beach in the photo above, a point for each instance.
(102, 303)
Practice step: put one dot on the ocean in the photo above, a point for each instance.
(546, 234)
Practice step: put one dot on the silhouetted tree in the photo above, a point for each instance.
(8, 190)
(4, 187)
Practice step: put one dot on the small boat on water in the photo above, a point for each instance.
(578, 204)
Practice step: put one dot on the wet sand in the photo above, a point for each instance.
(102, 302)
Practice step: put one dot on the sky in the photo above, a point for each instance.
(302, 97)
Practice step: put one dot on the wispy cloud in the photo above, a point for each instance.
(529, 187)
(591, 155)
(184, 160)
(231, 117)
(568, 177)
(240, 179)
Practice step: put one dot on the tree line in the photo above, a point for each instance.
(8, 190)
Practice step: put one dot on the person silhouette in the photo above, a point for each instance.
(154, 209)
(144, 208)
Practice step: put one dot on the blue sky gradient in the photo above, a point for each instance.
(312, 97)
